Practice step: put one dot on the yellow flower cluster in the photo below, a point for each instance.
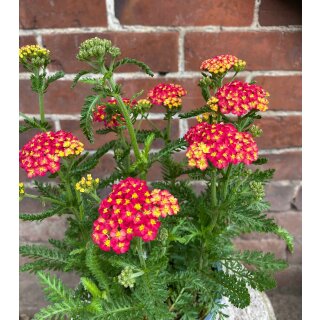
(87, 185)
(173, 103)
(21, 189)
(34, 55)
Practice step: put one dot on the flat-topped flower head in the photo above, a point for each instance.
(219, 65)
(108, 113)
(43, 152)
(131, 210)
(167, 95)
(87, 184)
(219, 144)
(239, 97)
(34, 56)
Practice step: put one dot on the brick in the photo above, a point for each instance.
(290, 280)
(272, 50)
(288, 165)
(292, 221)
(275, 246)
(280, 132)
(36, 14)
(59, 98)
(285, 92)
(34, 231)
(280, 195)
(280, 13)
(158, 50)
(28, 205)
(105, 167)
(297, 201)
(185, 12)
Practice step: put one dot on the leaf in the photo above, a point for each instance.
(90, 286)
(41, 216)
(54, 77)
(286, 236)
(78, 76)
(57, 311)
(140, 64)
(86, 116)
(260, 161)
(53, 287)
(33, 123)
(194, 113)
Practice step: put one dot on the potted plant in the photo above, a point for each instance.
(159, 250)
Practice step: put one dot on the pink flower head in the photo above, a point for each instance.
(43, 152)
(167, 94)
(223, 63)
(239, 97)
(219, 144)
(129, 211)
(110, 115)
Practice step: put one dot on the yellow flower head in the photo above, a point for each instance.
(34, 56)
(87, 185)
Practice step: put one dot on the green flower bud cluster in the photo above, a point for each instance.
(126, 278)
(34, 56)
(255, 131)
(257, 189)
(96, 49)
(163, 235)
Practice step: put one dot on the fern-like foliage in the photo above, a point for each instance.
(140, 64)
(86, 116)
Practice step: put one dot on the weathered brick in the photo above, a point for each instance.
(36, 14)
(276, 246)
(34, 231)
(290, 280)
(288, 165)
(28, 205)
(285, 12)
(292, 221)
(297, 201)
(285, 92)
(280, 132)
(158, 50)
(59, 98)
(280, 195)
(272, 50)
(185, 12)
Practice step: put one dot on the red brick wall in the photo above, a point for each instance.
(173, 37)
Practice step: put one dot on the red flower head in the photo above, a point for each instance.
(110, 115)
(43, 152)
(129, 212)
(223, 63)
(239, 97)
(167, 94)
(219, 144)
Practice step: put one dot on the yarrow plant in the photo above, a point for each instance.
(149, 250)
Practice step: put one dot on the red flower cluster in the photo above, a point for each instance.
(112, 118)
(167, 94)
(43, 152)
(239, 97)
(131, 210)
(220, 144)
(223, 63)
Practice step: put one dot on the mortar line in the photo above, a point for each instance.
(255, 20)
(184, 75)
(113, 25)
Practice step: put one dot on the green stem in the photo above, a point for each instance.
(140, 253)
(168, 130)
(225, 185)
(41, 106)
(126, 116)
(213, 188)
(178, 298)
